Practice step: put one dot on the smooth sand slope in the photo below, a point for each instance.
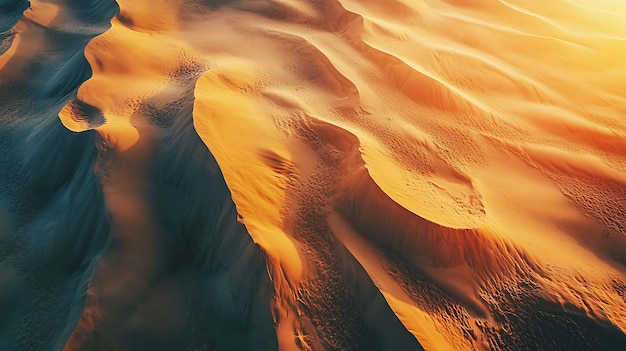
(313, 175)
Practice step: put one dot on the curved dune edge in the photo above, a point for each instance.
(128, 144)
(383, 174)
(511, 259)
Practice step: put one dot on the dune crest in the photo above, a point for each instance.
(313, 175)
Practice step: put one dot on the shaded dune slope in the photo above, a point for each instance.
(312, 175)
(74, 241)
(11, 11)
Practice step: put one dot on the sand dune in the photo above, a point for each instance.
(312, 175)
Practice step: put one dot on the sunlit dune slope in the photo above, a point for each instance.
(315, 174)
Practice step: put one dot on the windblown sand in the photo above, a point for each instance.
(313, 175)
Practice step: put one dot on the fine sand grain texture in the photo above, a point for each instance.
(312, 175)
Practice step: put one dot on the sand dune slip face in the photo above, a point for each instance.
(312, 175)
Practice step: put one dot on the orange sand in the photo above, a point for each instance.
(467, 139)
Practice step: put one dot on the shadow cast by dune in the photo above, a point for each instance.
(311, 175)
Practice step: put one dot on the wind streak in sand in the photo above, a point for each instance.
(439, 175)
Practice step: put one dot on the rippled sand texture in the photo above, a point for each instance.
(313, 175)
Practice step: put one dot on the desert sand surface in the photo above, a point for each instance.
(312, 175)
